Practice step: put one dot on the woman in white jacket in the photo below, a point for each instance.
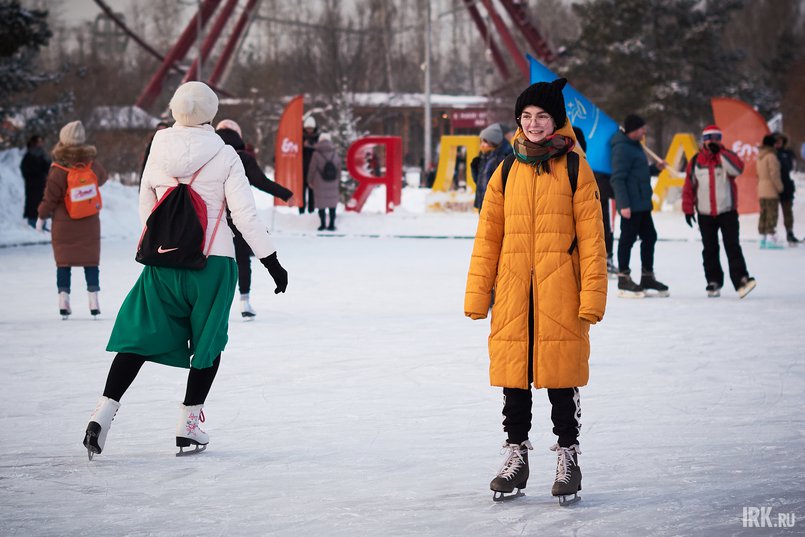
(176, 316)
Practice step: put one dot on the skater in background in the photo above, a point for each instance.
(161, 125)
(230, 133)
(310, 136)
(605, 191)
(325, 187)
(769, 188)
(34, 167)
(710, 191)
(179, 316)
(631, 183)
(494, 148)
(786, 158)
(541, 247)
(76, 242)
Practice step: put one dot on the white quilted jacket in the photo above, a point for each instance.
(178, 152)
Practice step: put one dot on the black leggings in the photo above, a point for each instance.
(126, 365)
(565, 403)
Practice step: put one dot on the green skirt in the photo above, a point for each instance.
(171, 315)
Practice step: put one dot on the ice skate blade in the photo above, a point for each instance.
(631, 294)
(198, 448)
(91, 439)
(247, 317)
(746, 289)
(565, 501)
(498, 496)
(657, 294)
(713, 294)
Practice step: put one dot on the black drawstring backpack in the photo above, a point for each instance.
(175, 231)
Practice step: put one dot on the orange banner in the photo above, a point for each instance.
(288, 151)
(744, 129)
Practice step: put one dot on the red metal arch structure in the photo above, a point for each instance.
(519, 16)
(180, 49)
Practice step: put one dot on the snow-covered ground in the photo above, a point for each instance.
(358, 403)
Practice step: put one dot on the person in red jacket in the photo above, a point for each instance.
(711, 192)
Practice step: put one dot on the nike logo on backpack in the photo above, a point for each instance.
(162, 250)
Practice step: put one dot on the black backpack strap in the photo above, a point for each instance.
(573, 170)
(507, 166)
(573, 177)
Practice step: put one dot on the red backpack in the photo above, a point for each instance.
(82, 197)
(176, 229)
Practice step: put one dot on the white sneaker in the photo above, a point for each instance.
(99, 423)
(188, 430)
(246, 310)
(64, 304)
(94, 305)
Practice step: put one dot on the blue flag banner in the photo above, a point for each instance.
(598, 127)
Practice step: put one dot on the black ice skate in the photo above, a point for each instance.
(792, 240)
(513, 474)
(568, 474)
(627, 288)
(747, 284)
(652, 287)
(713, 290)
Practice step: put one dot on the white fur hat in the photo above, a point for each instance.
(325, 137)
(309, 123)
(194, 103)
(229, 124)
(73, 133)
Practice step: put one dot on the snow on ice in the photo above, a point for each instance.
(358, 403)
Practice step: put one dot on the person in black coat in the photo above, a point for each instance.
(605, 189)
(310, 137)
(786, 158)
(161, 125)
(229, 131)
(34, 166)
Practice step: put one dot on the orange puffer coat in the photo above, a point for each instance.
(525, 240)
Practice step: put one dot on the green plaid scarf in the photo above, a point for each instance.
(541, 152)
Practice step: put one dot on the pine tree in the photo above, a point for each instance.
(23, 33)
(658, 58)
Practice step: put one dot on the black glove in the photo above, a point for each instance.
(690, 218)
(279, 274)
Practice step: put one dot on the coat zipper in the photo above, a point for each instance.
(533, 273)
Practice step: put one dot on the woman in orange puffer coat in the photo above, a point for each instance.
(540, 246)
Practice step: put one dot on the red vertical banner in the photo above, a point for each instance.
(744, 129)
(288, 151)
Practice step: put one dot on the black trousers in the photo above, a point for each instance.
(322, 216)
(639, 225)
(125, 367)
(728, 224)
(607, 225)
(307, 200)
(243, 255)
(517, 404)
